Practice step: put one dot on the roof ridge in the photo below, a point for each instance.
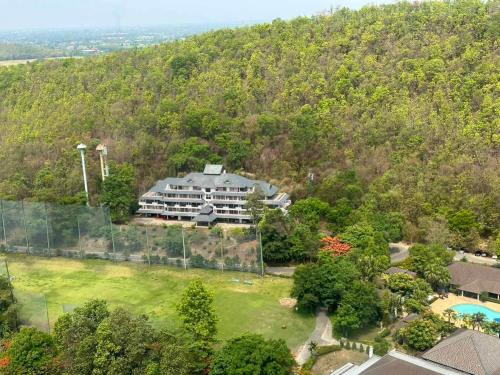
(472, 337)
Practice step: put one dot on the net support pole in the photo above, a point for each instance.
(261, 255)
(79, 238)
(47, 228)
(3, 224)
(147, 248)
(8, 279)
(184, 247)
(25, 229)
(222, 249)
(112, 238)
(47, 310)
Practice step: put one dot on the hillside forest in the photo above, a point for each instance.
(392, 109)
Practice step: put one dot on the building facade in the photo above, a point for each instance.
(208, 197)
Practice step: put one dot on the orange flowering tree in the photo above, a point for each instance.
(4, 362)
(335, 246)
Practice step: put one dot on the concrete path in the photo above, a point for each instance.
(322, 335)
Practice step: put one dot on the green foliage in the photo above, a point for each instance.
(363, 297)
(32, 353)
(118, 192)
(346, 319)
(122, 343)
(8, 310)
(293, 237)
(252, 354)
(322, 350)
(75, 336)
(323, 283)
(414, 293)
(176, 355)
(381, 346)
(254, 204)
(198, 317)
(424, 256)
(341, 185)
(420, 334)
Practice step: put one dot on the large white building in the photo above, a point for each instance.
(207, 197)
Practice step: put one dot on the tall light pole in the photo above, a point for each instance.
(81, 147)
(103, 154)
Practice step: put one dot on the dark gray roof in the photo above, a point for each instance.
(206, 210)
(467, 350)
(205, 218)
(404, 321)
(402, 364)
(393, 270)
(475, 278)
(214, 181)
(213, 169)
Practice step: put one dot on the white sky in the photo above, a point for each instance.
(47, 14)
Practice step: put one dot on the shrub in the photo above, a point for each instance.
(385, 332)
(322, 350)
(381, 346)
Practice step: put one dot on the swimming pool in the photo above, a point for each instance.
(467, 308)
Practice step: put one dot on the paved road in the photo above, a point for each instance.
(322, 335)
(399, 251)
(474, 259)
(280, 271)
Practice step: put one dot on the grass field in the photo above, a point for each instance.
(241, 308)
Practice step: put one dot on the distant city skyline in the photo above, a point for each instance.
(60, 14)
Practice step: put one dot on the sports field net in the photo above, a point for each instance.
(73, 231)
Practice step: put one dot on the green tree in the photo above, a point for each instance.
(363, 297)
(122, 344)
(198, 317)
(478, 320)
(118, 192)
(323, 283)
(32, 352)
(176, 355)
(450, 314)
(252, 354)
(75, 336)
(415, 292)
(254, 204)
(437, 276)
(420, 334)
(392, 306)
(275, 228)
(424, 256)
(346, 319)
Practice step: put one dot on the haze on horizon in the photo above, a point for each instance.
(56, 14)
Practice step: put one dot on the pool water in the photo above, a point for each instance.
(467, 308)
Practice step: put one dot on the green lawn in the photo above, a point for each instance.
(241, 308)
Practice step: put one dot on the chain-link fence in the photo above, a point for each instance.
(31, 308)
(73, 231)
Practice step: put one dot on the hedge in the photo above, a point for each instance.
(328, 349)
